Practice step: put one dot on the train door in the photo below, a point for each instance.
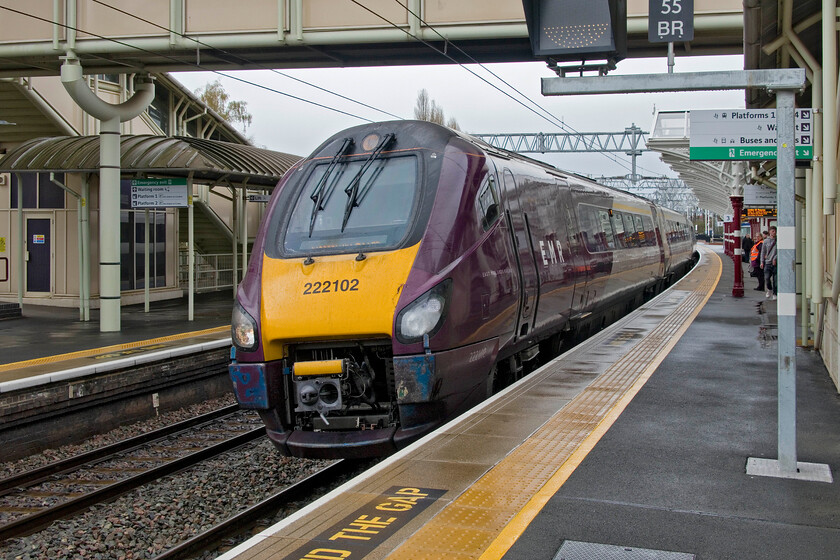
(38, 255)
(575, 273)
(525, 257)
(661, 226)
(579, 258)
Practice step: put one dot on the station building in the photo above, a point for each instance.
(52, 202)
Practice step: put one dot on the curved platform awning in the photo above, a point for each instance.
(711, 181)
(158, 156)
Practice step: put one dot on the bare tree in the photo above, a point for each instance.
(426, 109)
(215, 96)
(423, 107)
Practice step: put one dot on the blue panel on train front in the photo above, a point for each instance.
(250, 385)
(415, 378)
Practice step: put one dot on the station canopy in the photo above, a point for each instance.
(159, 156)
(711, 181)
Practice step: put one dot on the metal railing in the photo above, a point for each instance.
(212, 271)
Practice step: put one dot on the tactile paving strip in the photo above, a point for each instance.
(534, 471)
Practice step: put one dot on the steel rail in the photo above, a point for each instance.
(32, 523)
(247, 518)
(35, 476)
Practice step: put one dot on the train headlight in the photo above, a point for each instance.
(424, 315)
(243, 329)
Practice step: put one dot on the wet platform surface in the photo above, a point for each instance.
(54, 339)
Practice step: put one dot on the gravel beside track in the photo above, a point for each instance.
(147, 521)
(48, 456)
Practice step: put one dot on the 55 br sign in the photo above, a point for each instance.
(670, 21)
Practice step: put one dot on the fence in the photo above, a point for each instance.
(212, 271)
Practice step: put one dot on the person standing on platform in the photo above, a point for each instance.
(755, 262)
(768, 263)
(746, 245)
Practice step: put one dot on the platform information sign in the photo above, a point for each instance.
(759, 195)
(159, 193)
(739, 134)
(670, 21)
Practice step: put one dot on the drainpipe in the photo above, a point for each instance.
(21, 254)
(110, 117)
(86, 242)
(81, 245)
(829, 95)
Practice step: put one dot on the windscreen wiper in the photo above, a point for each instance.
(321, 193)
(352, 189)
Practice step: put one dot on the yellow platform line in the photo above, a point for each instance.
(490, 516)
(107, 349)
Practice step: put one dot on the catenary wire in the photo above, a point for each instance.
(181, 62)
(444, 53)
(548, 113)
(246, 60)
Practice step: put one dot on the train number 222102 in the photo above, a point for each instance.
(328, 286)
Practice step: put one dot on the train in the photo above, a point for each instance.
(405, 271)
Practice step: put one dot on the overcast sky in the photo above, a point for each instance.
(288, 125)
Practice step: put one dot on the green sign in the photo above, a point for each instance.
(744, 152)
(182, 181)
(743, 134)
(159, 193)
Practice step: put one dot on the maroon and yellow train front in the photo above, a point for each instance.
(313, 325)
(404, 271)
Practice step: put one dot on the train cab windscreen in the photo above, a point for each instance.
(353, 206)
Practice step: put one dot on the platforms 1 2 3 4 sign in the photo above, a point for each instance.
(744, 134)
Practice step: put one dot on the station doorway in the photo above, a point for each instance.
(38, 255)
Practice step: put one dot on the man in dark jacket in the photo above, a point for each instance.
(768, 263)
(746, 245)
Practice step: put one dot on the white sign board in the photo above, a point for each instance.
(759, 195)
(259, 197)
(159, 193)
(738, 134)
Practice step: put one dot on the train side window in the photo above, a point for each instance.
(649, 233)
(618, 229)
(640, 229)
(487, 203)
(605, 231)
(631, 238)
(588, 227)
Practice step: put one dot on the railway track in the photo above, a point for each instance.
(34, 499)
(246, 519)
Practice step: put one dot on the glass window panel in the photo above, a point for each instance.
(605, 231)
(29, 187)
(386, 197)
(160, 249)
(159, 109)
(618, 229)
(50, 195)
(126, 251)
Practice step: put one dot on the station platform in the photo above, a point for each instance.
(633, 444)
(51, 341)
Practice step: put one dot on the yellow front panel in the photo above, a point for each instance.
(336, 297)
